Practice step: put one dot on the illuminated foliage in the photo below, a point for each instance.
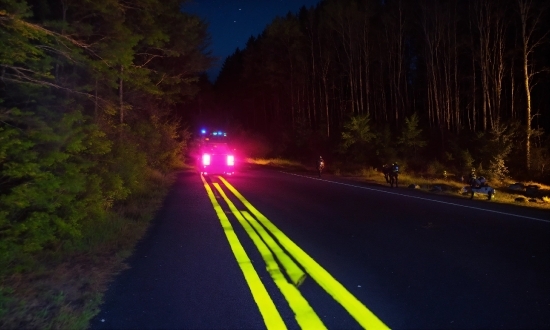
(88, 96)
(411, 139)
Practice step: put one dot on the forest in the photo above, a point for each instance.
(436, 85)
(90, 92)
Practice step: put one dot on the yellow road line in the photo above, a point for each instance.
(305, 315)
(295, 273)
(270, 314)
(357, 310)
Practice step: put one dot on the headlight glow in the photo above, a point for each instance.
(206, 159)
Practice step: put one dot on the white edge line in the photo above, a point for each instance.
(422, 198)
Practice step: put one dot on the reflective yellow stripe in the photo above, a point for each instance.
(305, 315)
(295, 273)
(357, 310)
(270, 314)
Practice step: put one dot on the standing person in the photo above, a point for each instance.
(320, 165)
(472, 178)
(393, 174)
(386, 170)
(395, 168)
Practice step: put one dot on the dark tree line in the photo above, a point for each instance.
(89, 90)
(472, 76)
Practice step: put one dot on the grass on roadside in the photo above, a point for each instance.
(276, 162)
(455, 188)
(64, 290)
(450, 186)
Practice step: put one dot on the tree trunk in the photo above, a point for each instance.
(530, 19)
(527, 109)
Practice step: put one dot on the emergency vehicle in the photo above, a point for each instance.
(216, 157)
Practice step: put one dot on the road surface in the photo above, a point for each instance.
(270, 249)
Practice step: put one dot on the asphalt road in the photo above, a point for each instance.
(372, 257)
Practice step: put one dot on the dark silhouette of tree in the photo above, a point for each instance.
(458, 65)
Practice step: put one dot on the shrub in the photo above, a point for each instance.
(46, 170)
(356, 138)
(384, 149)
(411, 140)
(498, 169)
(540, 161)
(435, 168)
(369, 172)
(465, 161)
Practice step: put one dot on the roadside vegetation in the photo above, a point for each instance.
(434, 184)
(276, 162)
(364, 148)
(63, 289)
(91, 131)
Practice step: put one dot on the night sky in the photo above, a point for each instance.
(232, 22)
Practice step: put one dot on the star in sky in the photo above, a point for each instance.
(232, 22)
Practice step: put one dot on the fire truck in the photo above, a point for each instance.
(216, 157)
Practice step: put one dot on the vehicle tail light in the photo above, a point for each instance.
(230, 160)
(206, 159)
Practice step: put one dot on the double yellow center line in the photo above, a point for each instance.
(265, 236)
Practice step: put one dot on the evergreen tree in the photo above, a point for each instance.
(411, 140)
